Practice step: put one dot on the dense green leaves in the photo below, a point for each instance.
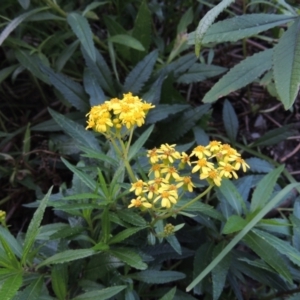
(157, 277)
(103, 294)
(130, 257)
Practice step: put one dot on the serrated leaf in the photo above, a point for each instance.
(34, 227)
(185, 20)
(89, 181)
(201, 136)
(32, 63)
(65, 55)
(230, 121)
(82, 30)
(153, 94)
(124, 234)
(16, 22)
(127, 40)
(11, 241)
(219, 273)
(101, 71)
(172, 240)
(268, 253)
(240, 75)
(169, 295)
(287, 65)
(184, 123)
(240, 27)
(130, 257)
(200, 72)
(59, 280)
(32, 291)
(262, 193)
(92, 87)
(259, 165)
(71, 90)
(232, 196)
(10, 286)
(132, 218)
(103, 294)
(207, 21)
(140, 74)
(281, 246)
(234, 224)
(157, 277)
(142, 31)
(75, 130)
(280, 226)
(139, 143)
(274, 136)
(162, 111)
(270, 205)
(66, 256)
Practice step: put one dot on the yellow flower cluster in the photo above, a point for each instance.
(213, 162)
(129, 111)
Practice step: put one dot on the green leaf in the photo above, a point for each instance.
(270, 205)
(157, 277)
(162, 111)
(287, 65)
(207, 21)
(172, 240)
(280, 226)
(132, 218)
(101, 71)
(127, 40)
(142, 31)
(66, 256)
(268, 253)
(200, 72)
(240, 27)
(234, 224)
(32, 63)
(274, 136)
(59, 280)
(76, 131)
(5, 72)
(230, 120)
(82, 30)
(124, 235)
(10, 286)
(139, 143)
(16, 22)
(71, 90)
(240, 75)
(140, 74)
(258, 165)
(65, 55)
(32, 291)
(103, 294)
(183, 123)
(34, 227)
(12, 260)
(185, 20)
(201, 136)
(11, 241)
(169, 295)
(219, 273)
(86, 179)
(264, 189)
(129, 257)
(93, 88)
(281, 246)
(232, 196)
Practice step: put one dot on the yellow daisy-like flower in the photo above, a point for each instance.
(227, 170)
(214, 146)
(186, 182)
(140, 202)
(168, 153)
(202, 165)
(239, 162)
(167, 197)
(153, 155)
(185, 158)
(201, 152)
(212, 175)
(137, 187)
(151, 189)
(156, 169)
(171, 172)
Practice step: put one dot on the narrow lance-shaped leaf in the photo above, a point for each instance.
(10, 286)
(128, 41)
(81, 28)
(240, 75)
(230, 120)
(103, 294)
(93, 88)
(206, 22)
(287, 65)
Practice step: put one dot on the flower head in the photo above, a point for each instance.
(140, 202)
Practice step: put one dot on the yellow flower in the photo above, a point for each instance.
(214, 146)
(186, 182)
(185, 158)
(212, 175)
(151, 189)
(156, 169)
(140, 202)
(201, 152)
(167, 196)
(203, 165)
(239, 162)
(168, 153)
(153, 155)
(171, 172)
(137, 187)
(227, 170)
